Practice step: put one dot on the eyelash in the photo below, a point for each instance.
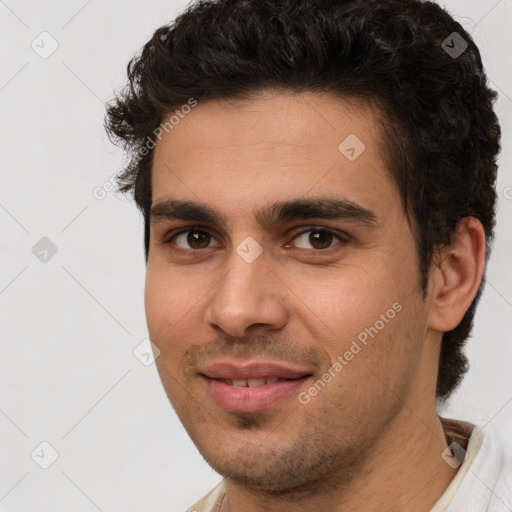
(343, 238)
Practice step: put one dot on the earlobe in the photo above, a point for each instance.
(457, 275)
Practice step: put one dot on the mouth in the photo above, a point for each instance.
(252, 383)
(253, 387)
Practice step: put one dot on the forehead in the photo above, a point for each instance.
(273, 147)
(273, 118)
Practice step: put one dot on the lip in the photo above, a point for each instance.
(247, 399)
(244, 399)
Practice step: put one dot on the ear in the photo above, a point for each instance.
(456, 275)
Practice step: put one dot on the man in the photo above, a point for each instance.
(317, 182)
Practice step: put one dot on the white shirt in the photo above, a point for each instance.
(483, 482)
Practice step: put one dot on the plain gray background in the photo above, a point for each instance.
(71, 322)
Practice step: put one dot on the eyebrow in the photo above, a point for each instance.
(269, 216)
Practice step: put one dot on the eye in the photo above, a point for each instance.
(319, 238)
(193, 237)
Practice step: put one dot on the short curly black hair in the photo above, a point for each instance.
(439, 126)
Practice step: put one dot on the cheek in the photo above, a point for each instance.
(370, 321)
(156, 305)
(378, 366)
(168, 301)
(346, 301)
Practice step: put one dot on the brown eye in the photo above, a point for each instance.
(192, 239)
(317, 238)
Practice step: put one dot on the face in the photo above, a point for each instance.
(282, 287)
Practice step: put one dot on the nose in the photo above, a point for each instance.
(249, 295)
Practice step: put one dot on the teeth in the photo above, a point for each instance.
(252, 383)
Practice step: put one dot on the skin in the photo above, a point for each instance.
(371, 438)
